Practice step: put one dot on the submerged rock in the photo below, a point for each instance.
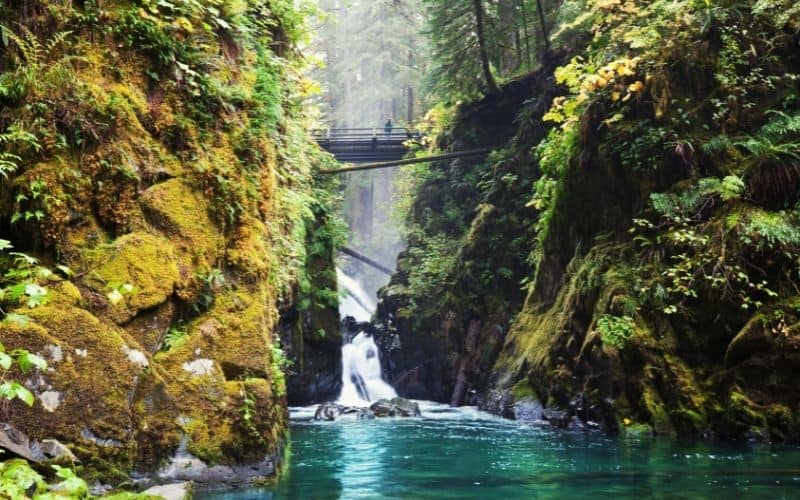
(395, 407)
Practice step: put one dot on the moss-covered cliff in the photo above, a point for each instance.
(158, 151)
(661, 231)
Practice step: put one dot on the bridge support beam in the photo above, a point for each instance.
(410, 161)
(370, 262)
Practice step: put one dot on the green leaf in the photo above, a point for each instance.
(15, 390)
(23, 394)
(28, 361)
(65, 270)
(5, 361)
(36, 294)
(16, 319)
(5, 245)
(72, 485)
(17, 477)
(114, 297)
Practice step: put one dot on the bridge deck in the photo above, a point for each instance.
(364, 145)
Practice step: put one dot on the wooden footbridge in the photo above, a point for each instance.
(371, 148)
(363, 145)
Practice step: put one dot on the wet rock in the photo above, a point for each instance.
(395, 407)
(557, 418)
(16, 442)
(528, 410)
(497, 402)
(332, 411)
(56, 451)
(175, 491)
(187, 468)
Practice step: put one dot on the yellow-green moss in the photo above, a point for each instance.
(93, 375)
(181, 212)
(145, 261)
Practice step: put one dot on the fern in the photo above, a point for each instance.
(41, 69)
(772, 230)
(176, 337)
(778, 139)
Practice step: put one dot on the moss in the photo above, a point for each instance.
(249, 250)
(236, 331)
(207, 444)
(143, 260)
(659, 416)
(64, 294)
(522, 390)
(89, 405)
(637, 430)
(181, 212)
(742, 411)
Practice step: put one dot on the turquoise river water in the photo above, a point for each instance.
(467, 454)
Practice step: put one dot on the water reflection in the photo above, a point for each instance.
(464, 455)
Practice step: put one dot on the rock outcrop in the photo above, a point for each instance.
(166, 194)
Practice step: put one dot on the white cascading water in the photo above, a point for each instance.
(361, 363)
(356, 303)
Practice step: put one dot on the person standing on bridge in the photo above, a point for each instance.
(387, 128)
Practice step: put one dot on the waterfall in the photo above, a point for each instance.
(361, 364)
(356, 303)
(361, 373)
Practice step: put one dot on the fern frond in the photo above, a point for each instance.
(55, 41)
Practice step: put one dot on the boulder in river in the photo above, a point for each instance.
(333, 411)
(395, 407)
(557, 418)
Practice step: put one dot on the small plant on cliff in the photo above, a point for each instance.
(615, 331)
(280, 364)
(24, 362)
(248, 412)
(176, 336)
(18, 479)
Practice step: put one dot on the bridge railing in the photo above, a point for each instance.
(364, 134)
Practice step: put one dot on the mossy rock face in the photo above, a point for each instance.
(84, 397)
(181, 212)
(151, 326)
(142, 260)
(236, 332)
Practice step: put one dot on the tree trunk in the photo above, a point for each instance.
(542, 21)
(491, 84)
(526, 34)
(410, 95)
(470, 344)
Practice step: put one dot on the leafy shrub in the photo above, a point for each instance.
(615, 331)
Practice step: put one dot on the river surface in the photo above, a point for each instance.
(467, 454)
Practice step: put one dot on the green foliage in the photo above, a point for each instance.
(248, 413)
(279, 364)
(777, 140)
(211, 283)
(18, 479)
(24, 361)
(772, 231)
(176, 336)
(511, 42)
(615, 331)
(555, 154)
(41, 68)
